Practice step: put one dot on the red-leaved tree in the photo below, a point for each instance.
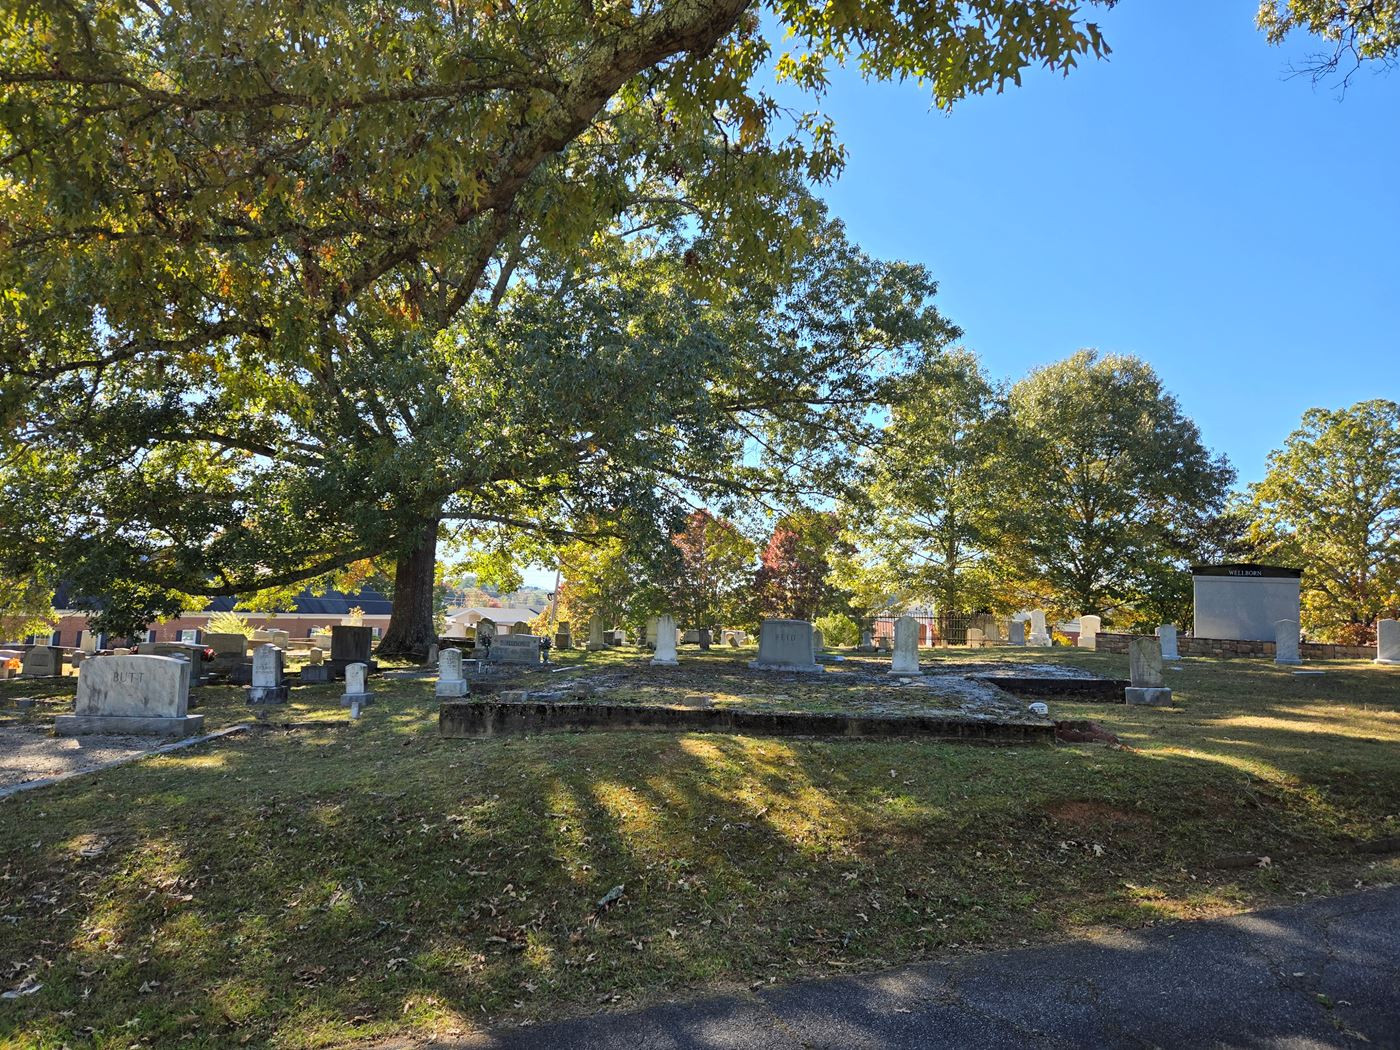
(794, 578)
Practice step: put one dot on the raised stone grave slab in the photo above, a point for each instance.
(478, 718)
(1090, 690)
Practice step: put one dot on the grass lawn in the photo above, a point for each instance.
(312, 887)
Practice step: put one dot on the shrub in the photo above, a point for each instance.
(229, 623)
(838, 630)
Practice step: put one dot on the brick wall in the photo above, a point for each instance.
(1118, 643)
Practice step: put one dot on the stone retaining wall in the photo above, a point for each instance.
(1118, 643)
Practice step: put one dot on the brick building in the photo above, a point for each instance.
(308, 613)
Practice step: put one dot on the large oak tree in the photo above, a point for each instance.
(257, 255)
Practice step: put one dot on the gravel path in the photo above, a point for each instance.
(29, 753)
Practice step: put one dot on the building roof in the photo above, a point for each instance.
(501, 615)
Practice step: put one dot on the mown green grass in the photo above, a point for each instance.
(312, 887)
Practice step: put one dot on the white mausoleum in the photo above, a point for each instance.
(1242, 602)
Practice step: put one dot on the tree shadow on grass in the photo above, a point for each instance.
(311, 887)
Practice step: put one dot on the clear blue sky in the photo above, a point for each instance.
(1184, 201)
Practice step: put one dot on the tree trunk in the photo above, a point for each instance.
(411, 621)
(704, 639)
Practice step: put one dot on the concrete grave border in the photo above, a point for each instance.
(486, 718)
(1088, 690)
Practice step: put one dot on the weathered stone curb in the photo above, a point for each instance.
(29, 785)
(485, 718)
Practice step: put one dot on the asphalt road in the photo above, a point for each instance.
(1322, 974)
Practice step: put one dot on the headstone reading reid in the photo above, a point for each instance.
(785, 645)
(1286, 642)
(1145, 673)
(1388, 642)
(906, 648)
(665, 642)
(451, 681)
(137, 694)
(268, 685)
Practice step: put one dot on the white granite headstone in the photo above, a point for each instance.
(267, 686)
(665, 642)
(451, 681)
(1166, 634)
(356, 686)
(595, 634)
(1039, 635)
(905, 661)
(1286, 642)
(1089, 627)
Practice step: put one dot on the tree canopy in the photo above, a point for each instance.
(929, 525)
(1330, 504)
(1112, 484)
(289, 288)
(1082, 488)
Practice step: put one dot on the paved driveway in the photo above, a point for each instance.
(1322, 974)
